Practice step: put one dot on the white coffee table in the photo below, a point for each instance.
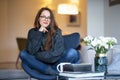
(82, 76)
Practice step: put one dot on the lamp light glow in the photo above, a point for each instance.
(67, 9)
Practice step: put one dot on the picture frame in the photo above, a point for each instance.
(114, 2)
(74, 20)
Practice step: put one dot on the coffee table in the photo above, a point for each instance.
(73, 76)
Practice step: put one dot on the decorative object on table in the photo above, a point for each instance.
(101, 62)
(101, 45)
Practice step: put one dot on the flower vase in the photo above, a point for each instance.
(101, 62)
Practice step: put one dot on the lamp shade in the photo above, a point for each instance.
(67, 9)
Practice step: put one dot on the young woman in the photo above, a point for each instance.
(46, 44)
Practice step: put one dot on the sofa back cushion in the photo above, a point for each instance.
(72, 40)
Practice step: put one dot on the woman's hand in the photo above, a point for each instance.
(43, 29)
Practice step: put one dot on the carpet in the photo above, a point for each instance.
(13, 74)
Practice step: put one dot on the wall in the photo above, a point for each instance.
(102, 19)
(17, 17)
(112, 21)
(95, 17)
(4, 32)
(62, 19)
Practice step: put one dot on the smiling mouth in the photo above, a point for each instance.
(45, 22)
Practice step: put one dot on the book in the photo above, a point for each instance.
(82, 67)
(82, 74)
(88, 78)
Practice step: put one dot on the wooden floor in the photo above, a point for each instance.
(10, 65)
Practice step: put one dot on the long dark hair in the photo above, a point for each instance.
(53, 27)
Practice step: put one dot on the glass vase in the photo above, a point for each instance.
(101, 62)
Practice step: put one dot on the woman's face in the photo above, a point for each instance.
(44, 18)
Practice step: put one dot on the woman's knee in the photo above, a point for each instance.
(72, 53)
(23, 54)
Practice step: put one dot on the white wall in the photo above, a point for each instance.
(103, 20)
(4, 32)
(95, 17)
(112, 20)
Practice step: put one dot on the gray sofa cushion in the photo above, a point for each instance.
(115, 65)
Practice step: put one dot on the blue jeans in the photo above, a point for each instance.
(70, 55)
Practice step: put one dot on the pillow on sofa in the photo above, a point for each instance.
(115, 65)
(71, 40)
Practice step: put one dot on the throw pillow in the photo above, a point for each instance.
(115, 65)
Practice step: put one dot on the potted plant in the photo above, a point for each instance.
(101, 45)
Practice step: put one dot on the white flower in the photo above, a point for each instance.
(100, 44)
(88, 39)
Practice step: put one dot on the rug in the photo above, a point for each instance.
(13, 74)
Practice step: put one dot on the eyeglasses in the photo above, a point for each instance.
(44, 17)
